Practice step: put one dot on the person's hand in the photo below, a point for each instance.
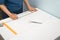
(13, 16)
(32, 9)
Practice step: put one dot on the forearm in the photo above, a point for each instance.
(27, 3)
(30, 8)
(3, 7)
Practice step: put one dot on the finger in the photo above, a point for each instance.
(34, 10)
(16, 16)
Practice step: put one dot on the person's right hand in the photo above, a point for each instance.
(13, 16)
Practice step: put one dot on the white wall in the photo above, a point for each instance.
(50, 6)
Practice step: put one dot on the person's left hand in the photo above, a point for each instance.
(32, 9)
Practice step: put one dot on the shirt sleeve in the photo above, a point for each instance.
(2, 1)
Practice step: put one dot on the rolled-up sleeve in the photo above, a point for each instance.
(2, 1)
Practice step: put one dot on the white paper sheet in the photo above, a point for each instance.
(32, 26)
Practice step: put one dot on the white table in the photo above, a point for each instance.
(32, 26)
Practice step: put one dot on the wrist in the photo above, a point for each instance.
(28, 6)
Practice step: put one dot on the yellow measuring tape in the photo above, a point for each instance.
(8, 27)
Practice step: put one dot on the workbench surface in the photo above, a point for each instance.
(39, 25)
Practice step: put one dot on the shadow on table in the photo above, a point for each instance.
(58, 38)
(1, 38)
